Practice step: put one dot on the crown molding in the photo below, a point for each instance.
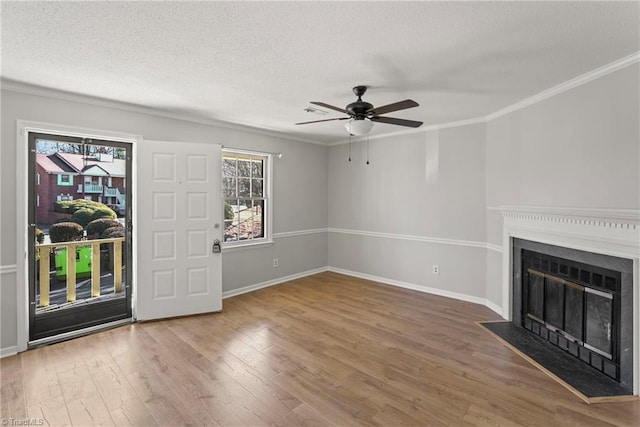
(568, 85)
(27, 89)
(14, 86)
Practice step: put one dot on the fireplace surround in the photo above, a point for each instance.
(590, 245)
(581, 302)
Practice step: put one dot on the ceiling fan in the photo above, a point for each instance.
(361, 114)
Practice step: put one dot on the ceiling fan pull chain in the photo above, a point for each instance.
(367, 148)
(349, 146)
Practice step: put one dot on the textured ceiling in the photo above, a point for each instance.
(261, 63)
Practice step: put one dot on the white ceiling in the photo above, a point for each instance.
(260, 63)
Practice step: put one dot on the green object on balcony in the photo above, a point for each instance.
(83, 262)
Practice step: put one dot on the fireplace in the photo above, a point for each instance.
(576, 306)
(570, 279)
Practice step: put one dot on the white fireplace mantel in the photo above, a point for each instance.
(614, 232)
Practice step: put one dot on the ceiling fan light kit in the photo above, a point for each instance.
(359, 127)
(361, 114)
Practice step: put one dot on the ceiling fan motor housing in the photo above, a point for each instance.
(359, 108)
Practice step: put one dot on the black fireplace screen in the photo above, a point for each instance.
(599, 308)
(562, 304)
(568, 308)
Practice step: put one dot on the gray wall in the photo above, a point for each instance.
(580, 148)
(426, 198)
(300, 190)
(426, 192)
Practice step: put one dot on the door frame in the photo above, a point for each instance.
(23, 127)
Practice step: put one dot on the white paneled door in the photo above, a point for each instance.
(179, 218)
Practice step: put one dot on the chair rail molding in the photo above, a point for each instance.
(8, 269)
(426, 239)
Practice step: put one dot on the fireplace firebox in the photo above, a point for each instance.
(575, 306)
(580, 302)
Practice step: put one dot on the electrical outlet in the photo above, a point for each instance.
(436, 269)
(275, 263)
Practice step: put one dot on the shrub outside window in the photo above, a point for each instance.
(246, 198)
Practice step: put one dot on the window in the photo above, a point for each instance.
(37, 179)
(246, 197)
(65, 180)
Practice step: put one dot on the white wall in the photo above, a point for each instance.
(580, 148)
(300, 178)
(420, 202)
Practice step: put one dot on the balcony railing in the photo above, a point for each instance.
(71, 262)
(111, 192)
(90, 188)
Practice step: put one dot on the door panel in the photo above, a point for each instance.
(180, 212)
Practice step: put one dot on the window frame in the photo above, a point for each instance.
(267, 189)
(62, 183)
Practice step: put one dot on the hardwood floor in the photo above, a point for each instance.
(322, 350)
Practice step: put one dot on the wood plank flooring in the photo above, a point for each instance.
(322, 350)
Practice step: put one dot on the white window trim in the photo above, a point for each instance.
(267, 240)
(61, 183)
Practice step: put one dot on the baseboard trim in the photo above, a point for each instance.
(426, 289)
(8, 351)
(494, 307)
(273, 282)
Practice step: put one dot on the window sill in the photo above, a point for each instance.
(235, 248)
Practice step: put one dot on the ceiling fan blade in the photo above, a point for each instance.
(325, 120)
(399, 122)
(396, 106)
(331, 107)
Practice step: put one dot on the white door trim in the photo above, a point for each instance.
(23, 127)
